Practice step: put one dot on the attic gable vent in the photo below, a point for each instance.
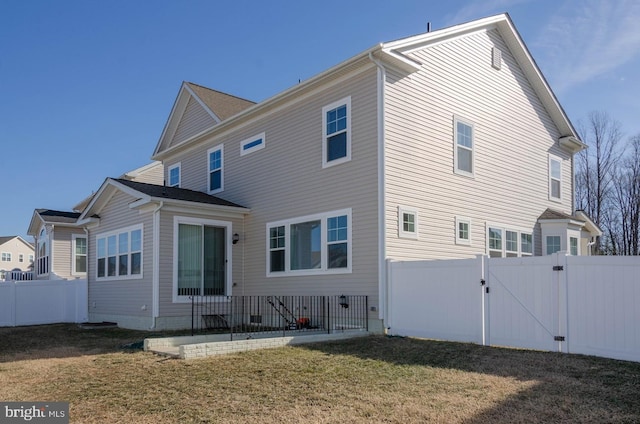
(496, 58)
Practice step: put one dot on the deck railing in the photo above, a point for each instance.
(16, 275)
(278, 315)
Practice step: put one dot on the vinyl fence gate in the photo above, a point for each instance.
(571, 304)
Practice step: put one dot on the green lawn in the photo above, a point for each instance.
(364, 380)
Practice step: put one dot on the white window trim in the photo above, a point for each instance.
(577, 245)
(6, 256)
(177, 220)
(47, 242)
(172, 167)
(243, 143)
(116, 233)
(546, 243)
(504, 229)
(401, 232)
(456, 170)
(324, 269)
(74, 237)
(557, 159)
(211, 150)
(459, 220)
(346, 101)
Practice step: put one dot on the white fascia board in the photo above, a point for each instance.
(150, 203)
(199, 100)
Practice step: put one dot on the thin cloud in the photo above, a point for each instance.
(481, 9)
(585, 40)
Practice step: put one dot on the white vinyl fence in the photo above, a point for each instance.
(43, 302)
(571, 304)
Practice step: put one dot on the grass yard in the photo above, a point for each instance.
(365, 380)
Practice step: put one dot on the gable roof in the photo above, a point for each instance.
(155, 194)
(7, 239)
(217, 105)
(223, 105)
(580, 218)
(392, 54)
(50, 216)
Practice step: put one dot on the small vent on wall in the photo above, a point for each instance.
(496, 58)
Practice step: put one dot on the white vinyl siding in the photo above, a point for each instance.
(195, 119)
(512, 133)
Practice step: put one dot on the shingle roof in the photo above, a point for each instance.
(3, 240)
(50, 215)
(222, 104)
(553, 214)
(175, 193)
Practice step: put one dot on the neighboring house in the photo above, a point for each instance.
(448, 144)
(15, 253)
(61, 245)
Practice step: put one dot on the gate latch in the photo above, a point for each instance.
(558, 338)
(558, 268)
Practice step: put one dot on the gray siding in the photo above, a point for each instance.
(513, 137)
(194, 120)
(130, 297)
(286, 180)
(153, 175)
(61, 249)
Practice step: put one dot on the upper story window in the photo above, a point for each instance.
(336, 132)
(407, 222)
(310, 245)
(464, 148)
(555, 178)
(119, 254)
(6, 257)
(79, 260)
(174, 175)
(463, 230)
(252, 144)
(216, 168)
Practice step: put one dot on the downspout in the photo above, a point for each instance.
(382, 238)
(155, 279)
(86, 233)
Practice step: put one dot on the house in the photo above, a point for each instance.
(447, 144)
(61, 243)
(15, 253)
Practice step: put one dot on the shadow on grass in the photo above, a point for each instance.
(68, 340)
(562, 388)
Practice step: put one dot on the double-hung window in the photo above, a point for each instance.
(79, 250)
(174, 175)
(555, 178)
(6, 257)
(215, 158)
(119, 254)
(310, 245)
(464, 148)
(336, 132)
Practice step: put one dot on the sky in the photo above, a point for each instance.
(86, 87)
